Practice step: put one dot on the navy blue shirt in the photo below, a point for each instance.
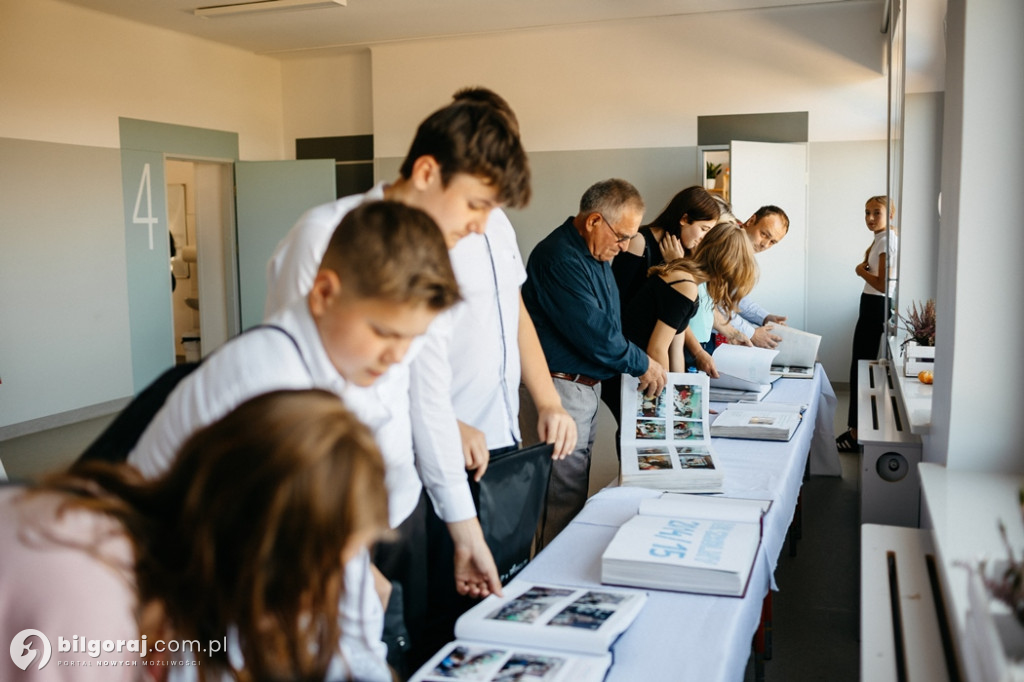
(574, 303)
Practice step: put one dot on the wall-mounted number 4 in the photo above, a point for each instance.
(149, 219)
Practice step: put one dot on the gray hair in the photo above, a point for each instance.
(610, 198)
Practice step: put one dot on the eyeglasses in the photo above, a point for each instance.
(619, 238)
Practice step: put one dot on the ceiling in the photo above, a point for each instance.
(366, 22)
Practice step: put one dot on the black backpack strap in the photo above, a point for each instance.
(123, 434)
(290, 338)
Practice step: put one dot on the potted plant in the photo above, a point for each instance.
(919, 347)
(711, 171)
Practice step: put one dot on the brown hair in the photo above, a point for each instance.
(247, 527)
(472, 135)
(725, 258)
(488, 96)
(388, 250)
(696, 203)
(766, 211)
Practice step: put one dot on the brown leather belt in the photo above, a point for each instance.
(577, 378)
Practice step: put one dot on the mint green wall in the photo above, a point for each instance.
(148, 265)
(271, 197)
(63, 314)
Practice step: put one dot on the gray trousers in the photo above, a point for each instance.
(570, 477)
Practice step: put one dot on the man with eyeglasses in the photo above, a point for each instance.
(571, 296)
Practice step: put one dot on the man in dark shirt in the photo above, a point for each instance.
(571, 296)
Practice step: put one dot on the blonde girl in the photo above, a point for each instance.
(874, 269)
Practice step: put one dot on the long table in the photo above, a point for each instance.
(695, 637)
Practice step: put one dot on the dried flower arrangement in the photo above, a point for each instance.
(1008, 586)
(920, 323)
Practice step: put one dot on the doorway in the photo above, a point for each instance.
(204, 275)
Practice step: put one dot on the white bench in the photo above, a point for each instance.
(904, 630)
(890, 489)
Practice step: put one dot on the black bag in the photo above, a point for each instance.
(122, 434)
(509, 500)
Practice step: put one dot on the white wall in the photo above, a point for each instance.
(68, 73)
(641, 84)
(842, 176)
(326, 96)
(979, 369)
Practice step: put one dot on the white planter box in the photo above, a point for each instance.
(917, 358)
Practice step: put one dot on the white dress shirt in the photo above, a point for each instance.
(475, 352)
(263, 360)
(878, 247)
(290, 274)
(749, 317)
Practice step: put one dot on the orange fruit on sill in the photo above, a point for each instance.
(925, 376)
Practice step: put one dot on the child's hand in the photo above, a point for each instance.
(671, 247)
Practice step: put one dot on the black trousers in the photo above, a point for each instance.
(404, 561)
(867, 338)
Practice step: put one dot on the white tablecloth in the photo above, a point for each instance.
(681, 637)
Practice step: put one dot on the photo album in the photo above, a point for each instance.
(758, 421)
(798, 351)
(744, 368)
(544, 633)
(687, 543)
(664, 440)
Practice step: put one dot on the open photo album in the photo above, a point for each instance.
(548, 633)
(744, 368)
(798, 351)
(665, 442)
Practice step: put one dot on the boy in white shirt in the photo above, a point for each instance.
(384, 277)
(465, 162)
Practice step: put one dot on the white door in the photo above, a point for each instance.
(765, 173)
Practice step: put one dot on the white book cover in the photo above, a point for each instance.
(664, 441)
(746, 368)
(683, 554)
(683, 505)
(554, 617)
(798, 349)
(759, 421)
